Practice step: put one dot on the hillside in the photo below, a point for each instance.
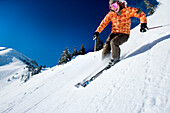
(12, 65)
(140, 83)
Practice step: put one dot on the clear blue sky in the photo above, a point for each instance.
(42, 29)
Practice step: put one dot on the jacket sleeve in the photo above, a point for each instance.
(136, 12)
(104, 23)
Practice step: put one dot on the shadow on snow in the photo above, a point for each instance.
(148, 46)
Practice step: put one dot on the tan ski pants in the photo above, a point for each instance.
(112, 43)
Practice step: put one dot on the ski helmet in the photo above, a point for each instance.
(112, 1)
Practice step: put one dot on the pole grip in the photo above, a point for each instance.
(95, 37)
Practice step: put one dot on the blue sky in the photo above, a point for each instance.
(42, 29)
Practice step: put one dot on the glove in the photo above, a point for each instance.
(95, 35)
(144, 27)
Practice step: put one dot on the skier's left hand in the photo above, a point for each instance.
(95, 35)
(144, 27)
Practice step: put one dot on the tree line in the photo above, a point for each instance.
(67, 56)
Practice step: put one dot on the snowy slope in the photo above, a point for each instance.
(7, 56)
(12, 64)
(140, 83)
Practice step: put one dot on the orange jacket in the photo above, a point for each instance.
(122, 23)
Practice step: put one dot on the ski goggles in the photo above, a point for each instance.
(114, 6)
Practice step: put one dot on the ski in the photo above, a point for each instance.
(87, 81)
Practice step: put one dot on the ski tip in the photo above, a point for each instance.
(77, 85)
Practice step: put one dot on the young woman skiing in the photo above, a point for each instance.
(120, 16)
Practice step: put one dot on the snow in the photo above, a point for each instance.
(12, 65)
(140, 83)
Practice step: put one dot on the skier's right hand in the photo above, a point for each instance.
(144, 27)
(95, 35)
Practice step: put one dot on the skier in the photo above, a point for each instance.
(120, 16)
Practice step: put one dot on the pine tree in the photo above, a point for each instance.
(35, 63)
(44, 66)
(152, 10)
(99, 44)
(150, 6)
(66, 56)
(74, 52)
(63, 58)
(82, 50)
(59, 61)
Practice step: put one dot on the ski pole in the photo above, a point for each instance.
(95, 45)
(94, 38)
(158, 26)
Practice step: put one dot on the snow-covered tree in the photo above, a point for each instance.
(66, 56)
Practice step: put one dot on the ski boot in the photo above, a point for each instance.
(112, 63)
